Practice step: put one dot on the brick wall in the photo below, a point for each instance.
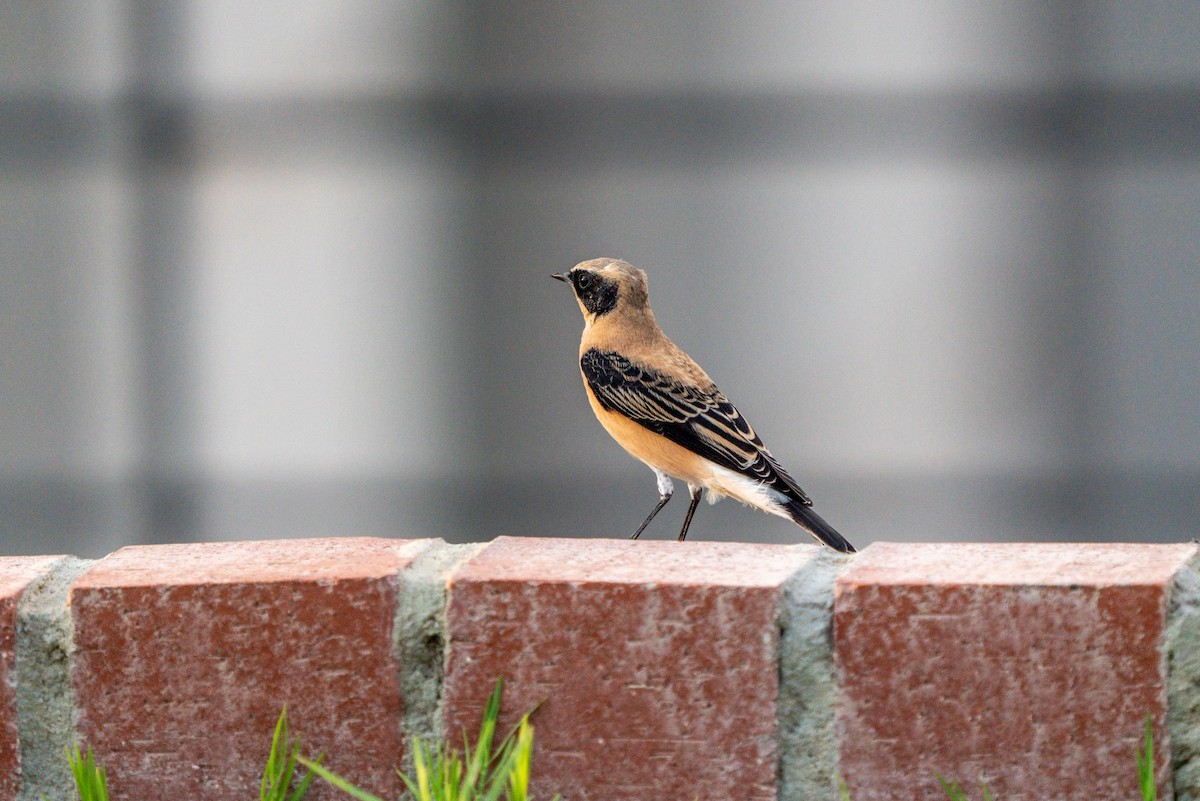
(665, 670)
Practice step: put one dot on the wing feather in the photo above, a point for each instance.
(703, 421)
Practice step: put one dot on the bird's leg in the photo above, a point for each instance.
(695, 492)
(665, 490)
(661, 503)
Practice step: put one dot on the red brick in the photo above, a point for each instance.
(1032, 665)
(186, 653)
(17, 573)
(656, 662)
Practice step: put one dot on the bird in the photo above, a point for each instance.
(665, 411)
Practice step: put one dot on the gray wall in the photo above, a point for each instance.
(281, 269)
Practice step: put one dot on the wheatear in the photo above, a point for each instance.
(661, 407)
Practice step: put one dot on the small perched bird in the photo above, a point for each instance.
(665, 411)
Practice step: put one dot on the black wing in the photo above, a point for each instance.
(704, 422)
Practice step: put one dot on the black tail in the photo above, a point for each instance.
(816, 525)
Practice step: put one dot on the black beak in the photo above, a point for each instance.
(560, 277)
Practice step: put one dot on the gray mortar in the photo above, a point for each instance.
(1181, 647)
(45, 703)
(807, 685)
(421, 638)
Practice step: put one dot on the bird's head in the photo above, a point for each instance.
(604, 286)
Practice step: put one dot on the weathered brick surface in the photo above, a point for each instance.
(186, 653)
(16, 574)
(656, 662)
(1031, 665)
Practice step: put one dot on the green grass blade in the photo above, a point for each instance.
(412, 788)
(337, 781)
(953, 789)
(302, 788)
(518, 774)
(91, 780)
(270, 777)
(480, 758)
(1145, 765)
(279, 780)
(283, 776)
(483, 771)
(421, 765)
(843, 789)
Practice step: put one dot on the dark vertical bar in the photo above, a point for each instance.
(159, 125)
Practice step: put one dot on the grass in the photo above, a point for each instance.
(91, 782)
(1145, 763)
(956, 792)
(477, 773)
(279, 781)
(483, 772)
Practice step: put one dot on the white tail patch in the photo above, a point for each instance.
(723, 481)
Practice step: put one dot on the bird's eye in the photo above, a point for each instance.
(583, 280)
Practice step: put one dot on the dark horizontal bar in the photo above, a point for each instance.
(1079, 125)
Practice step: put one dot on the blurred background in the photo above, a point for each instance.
(281, 268)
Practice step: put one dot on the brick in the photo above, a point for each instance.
(17, 573)
(1033, 666)
(185, 655)
(656, 661)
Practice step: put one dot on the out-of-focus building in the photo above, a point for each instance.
(281, 269)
